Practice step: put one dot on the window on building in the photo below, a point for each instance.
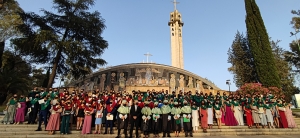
(172, 25)
(172, 34)
(179, 30)
(178, 16)
(172, 20)
(172, 29)
(180, 35)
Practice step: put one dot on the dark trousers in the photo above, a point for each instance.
(110, 123)
(43, 117)
(124, 126)
(32, 115)
(64, 128)
(134, 123)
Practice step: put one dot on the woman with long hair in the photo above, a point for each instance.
(229, 116)
(54, 119)
(281, 110)
(218, 113)
(20, 113)
(11, 110)
(237, 112)
(269, 114)
(68, 108)
(98, 116)
(289, 117)
(195, 115)
(203, 114)
(87, 124)
(210, 115)
(247, 109)
(80, 113)
(255, 113)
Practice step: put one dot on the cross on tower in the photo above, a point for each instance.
(147, 55)
(174, 2)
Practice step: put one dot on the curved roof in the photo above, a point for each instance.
(153, 65)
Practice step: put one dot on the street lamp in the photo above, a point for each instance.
(228, 83)
(295, 34)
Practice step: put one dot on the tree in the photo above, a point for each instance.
(260, 46)
(285, 70)
(14, 77)
(38, 77)
(240, 57)
(9, 20)
(70, 40)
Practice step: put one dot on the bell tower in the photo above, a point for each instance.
(176, 25)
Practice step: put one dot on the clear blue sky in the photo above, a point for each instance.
(135, 27)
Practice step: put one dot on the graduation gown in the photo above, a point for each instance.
(156, 112)
(186, 111)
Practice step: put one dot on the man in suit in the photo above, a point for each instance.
(135, 117)
(110, 109)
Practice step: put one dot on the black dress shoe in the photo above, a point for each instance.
(39, 129)
(105, 133)
(111, 132)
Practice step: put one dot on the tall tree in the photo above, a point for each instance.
(9, 19)
(260, 46)
(14, 76)
(240, 57)
(285, 70)
(293, 56)
(70, 40)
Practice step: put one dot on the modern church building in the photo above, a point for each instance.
(149, 76)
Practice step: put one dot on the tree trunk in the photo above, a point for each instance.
(2, 45)
(54, 68)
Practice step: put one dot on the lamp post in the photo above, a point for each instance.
(228, 83)
(295, 34)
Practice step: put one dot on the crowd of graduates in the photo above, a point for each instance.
(151, 112)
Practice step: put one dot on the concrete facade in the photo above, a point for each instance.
(144, 76)
(176, 25)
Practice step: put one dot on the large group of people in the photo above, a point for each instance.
(150, 112)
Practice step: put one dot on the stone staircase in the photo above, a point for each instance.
(24, 131)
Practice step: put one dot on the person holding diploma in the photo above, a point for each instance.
(123, 112)
(186, 112)
(110, 110)
(33, 109)
(44, 103)
(68, 108)
(98, 116)
(87, 124)
(176, 111)
(166, 118)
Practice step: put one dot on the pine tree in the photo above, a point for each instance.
(260, 46)
(240, 57)
(69, 40)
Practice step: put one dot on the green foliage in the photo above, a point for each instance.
(9, 20)
(240, 57)
(260, 46)
(285, 71)
(70, 40)
(14, 76)
(38, 77)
